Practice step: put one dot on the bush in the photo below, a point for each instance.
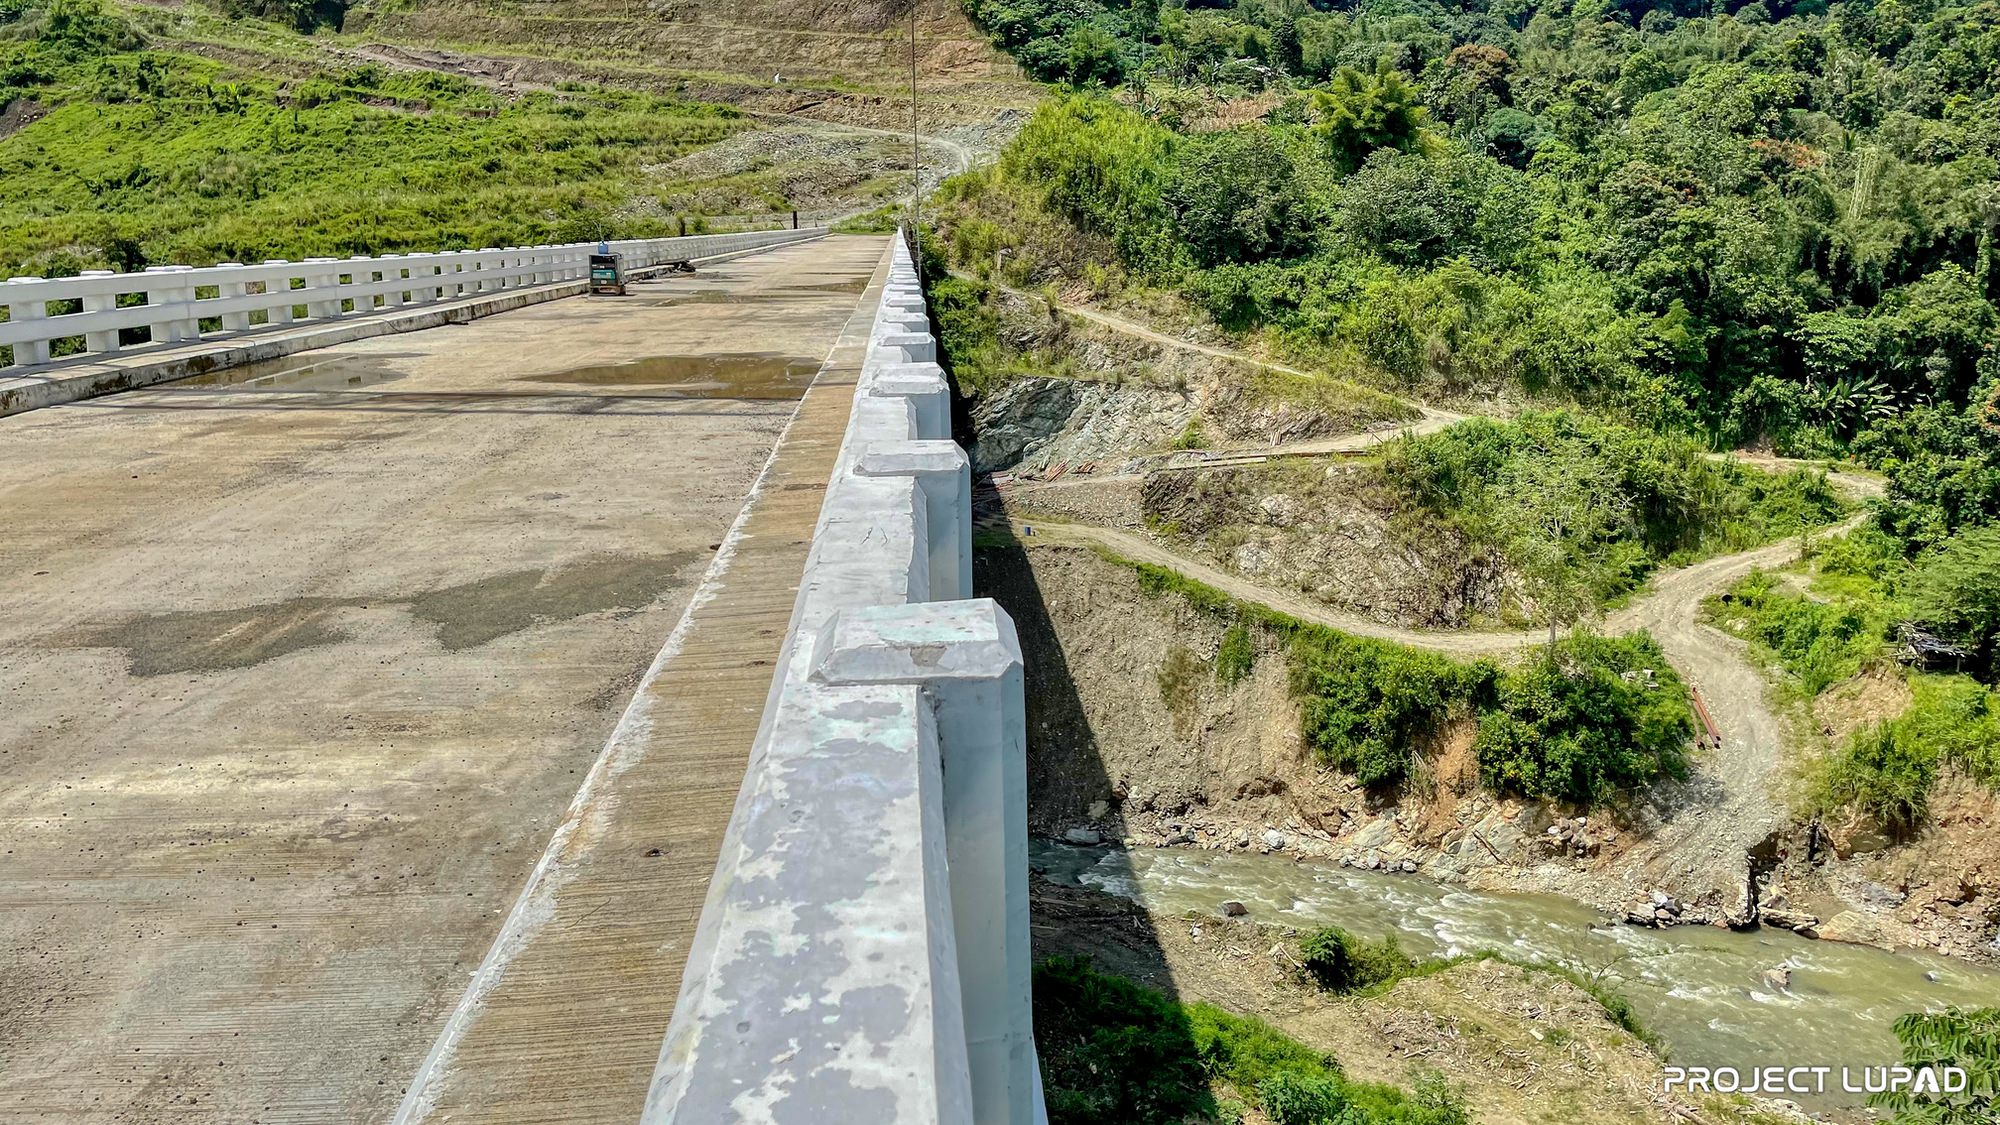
(1366, 704)
(1819, 642)
(1102, 167)
(1342, 962)
(1955, 591)
(1579, 502)
(1887, 771)
(1294, 1097)
(1239, 196)
(1585, 719)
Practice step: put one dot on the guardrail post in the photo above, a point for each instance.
(101, 342)
(967, 658)
(224, 290)
(168, 299)
(29, 351)
(322, 290)
(944, 475)
(278, 295)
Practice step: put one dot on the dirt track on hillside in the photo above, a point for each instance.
(1703, 827)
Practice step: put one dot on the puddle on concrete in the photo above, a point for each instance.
(754, 375)
(215, 640)
(853, 285)
(729, 297)
(474, 613)
(466, 615)
(333, 372)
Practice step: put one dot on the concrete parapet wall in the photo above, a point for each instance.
(863, 952)
(180, 304)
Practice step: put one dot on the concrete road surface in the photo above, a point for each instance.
(300, 664)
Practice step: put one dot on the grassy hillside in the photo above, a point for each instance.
(137, 156)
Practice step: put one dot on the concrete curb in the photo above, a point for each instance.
(22, 393)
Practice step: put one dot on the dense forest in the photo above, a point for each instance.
(1751, 225)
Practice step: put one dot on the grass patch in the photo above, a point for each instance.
(1888, 770)
(1346, 405)
(1339, 961)
(1115, 1052)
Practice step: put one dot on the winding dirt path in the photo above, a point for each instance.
(1704, 828)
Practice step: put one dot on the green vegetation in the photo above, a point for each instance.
(1888, 770)
(1342, 962)
(148, 156)
(1584, 510)
(1236, 656)
(1962, 1037)
(1844, 618)
(1112, 1050)
(1955, 592)
(1583, 720)
(1768, 220)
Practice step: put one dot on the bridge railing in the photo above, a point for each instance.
(863, 956)
(101, 312)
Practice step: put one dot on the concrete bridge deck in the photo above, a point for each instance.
(301, 669)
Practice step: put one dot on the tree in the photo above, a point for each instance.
(1358, 114)
(1962, 1037)
(1237, 196)
(1956, 593)
(1091, 57)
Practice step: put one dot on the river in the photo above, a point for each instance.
(1700, 988)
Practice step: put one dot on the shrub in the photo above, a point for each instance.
(1365, 704)
(1294, 1097)
(1342, 962)
(1584, 719)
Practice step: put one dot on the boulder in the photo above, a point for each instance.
(1083, 837)
(1786, 918)
(1779, 978)
(1853, 926)
(1274, 839)
(1234, 909)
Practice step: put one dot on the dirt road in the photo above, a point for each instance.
(1709, 823)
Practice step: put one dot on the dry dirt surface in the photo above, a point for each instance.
(302, 664)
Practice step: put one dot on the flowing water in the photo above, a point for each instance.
(1702, 989)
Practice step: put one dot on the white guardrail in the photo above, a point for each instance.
(862, 957)
(94, 313)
